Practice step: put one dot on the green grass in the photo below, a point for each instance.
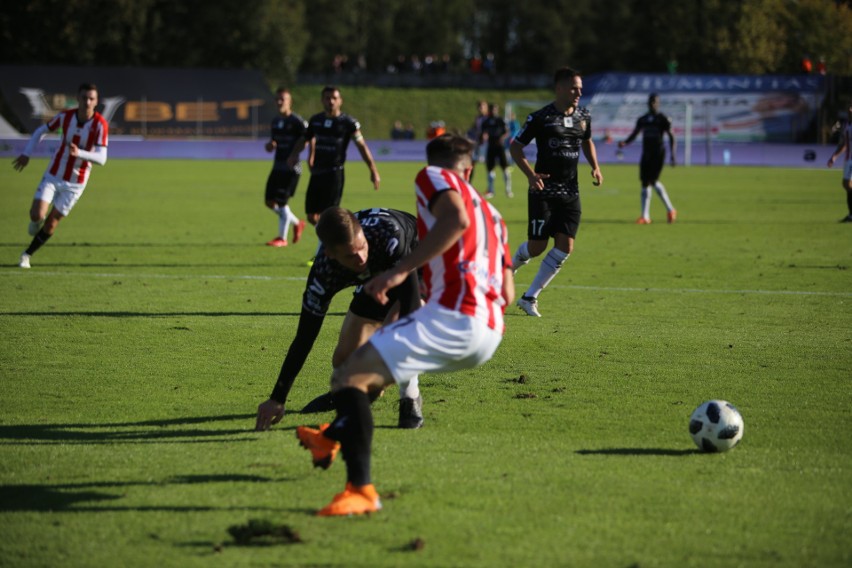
(136, 349)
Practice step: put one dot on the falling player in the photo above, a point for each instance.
(83, 142)
(353, 248)
(653, 126)
(286, 128)
(464, 253)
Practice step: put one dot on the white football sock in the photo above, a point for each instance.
(411, 390)
(661, 191)
(550, 267)
(522, 256)
(507, 177)
(491, 176)
(646, 202)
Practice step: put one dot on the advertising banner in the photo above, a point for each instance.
(728, 108)
(146, 102)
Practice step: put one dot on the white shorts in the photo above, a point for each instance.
(847, 169)
(434, 339)
(63, 194)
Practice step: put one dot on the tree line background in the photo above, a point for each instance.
(283, 38)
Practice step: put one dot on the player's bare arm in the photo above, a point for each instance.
(591, 155)
(536, 180)
(508, 291)
(367, 156)
(298, 146)
(837, 151)
(451, 222)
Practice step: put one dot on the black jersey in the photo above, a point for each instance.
(332, 134)
(390, 235)
(495, 128)
(653, 127)
(558, 138)
(285, 130)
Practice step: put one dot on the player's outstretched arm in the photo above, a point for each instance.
(451, 222)
(271, 411)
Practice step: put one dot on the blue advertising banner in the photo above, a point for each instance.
(728, 108)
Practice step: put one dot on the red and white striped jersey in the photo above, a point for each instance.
(468, 277)
(93, 132)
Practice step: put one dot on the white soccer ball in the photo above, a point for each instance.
(716, 426)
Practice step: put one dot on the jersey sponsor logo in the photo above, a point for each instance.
(567, 121)
(328, 122)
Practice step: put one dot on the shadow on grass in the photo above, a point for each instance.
(172, 430)
(637, 452)
(87, 497)
(98, 314)
(121, 314)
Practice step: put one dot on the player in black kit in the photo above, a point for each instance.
(653, 126)
(329, 133)
(286, 129)
(561, 130)
(494, 133)
(353, 248)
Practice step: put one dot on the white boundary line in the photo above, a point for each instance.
(20, 272)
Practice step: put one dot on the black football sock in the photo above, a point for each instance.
(40, 238)
(849, 201)
(353, 428)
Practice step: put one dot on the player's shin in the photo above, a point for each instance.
(522, 256)
(550, 267)
(353, 428)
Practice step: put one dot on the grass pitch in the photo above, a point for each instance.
(136, 349)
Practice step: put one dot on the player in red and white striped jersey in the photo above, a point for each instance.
(83, 141)
(467, 268)
(845, 147)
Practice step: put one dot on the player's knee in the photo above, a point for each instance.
(535, 248)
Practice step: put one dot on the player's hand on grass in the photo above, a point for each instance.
(20, 162)
(537, 180)
(268, 413)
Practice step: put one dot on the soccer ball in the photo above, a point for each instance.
(716, 426)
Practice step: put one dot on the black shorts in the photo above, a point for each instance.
(650, 168)
(549, 215)
(281, 186)
(324, 190)
(407, 294)
(495, 155)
